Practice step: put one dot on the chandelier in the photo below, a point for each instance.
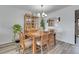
(42, 13)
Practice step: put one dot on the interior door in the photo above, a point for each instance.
(76, 24)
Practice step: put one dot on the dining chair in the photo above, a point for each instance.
(52, 39)
(25, 42)
(42, 43)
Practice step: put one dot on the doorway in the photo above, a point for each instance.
(76, 25)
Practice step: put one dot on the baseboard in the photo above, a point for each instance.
(66, 42)
(6, 44)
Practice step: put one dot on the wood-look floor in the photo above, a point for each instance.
(60, 48)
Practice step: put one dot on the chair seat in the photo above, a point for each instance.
(28, 43)
(38, 43)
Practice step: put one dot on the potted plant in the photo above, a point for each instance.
(16, 29)
(42, 24)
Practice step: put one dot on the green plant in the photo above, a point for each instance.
(16, 29)
(42, 24)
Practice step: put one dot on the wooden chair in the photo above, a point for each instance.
(52, 39)
(42, 43)
(24, 42)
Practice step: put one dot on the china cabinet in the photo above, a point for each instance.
(30, 22)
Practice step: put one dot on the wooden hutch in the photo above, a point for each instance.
(30, 22)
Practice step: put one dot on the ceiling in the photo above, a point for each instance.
(37, 8)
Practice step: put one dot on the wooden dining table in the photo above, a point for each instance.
(33, 35)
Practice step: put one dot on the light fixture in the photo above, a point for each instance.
(42, 13)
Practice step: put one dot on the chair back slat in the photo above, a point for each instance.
(44, 39)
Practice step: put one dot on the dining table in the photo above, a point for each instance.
(33, 35)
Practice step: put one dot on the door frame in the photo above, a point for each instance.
(75, 27)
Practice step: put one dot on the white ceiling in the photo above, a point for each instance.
(37, 8)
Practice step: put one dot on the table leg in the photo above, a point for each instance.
(33, 46)
(54, 39)
(41, 46)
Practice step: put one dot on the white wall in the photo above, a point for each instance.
(8, 17)
(67, 24)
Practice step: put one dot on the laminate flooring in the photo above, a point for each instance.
(59, 48)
